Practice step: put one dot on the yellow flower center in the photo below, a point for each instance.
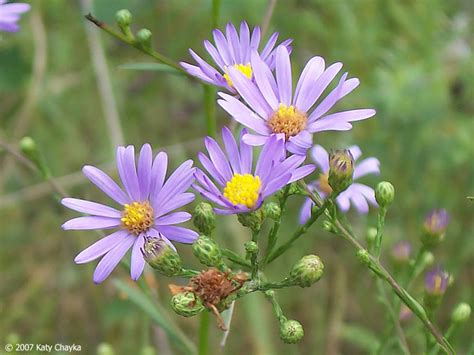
(245, 69)
(324, 184)
(288, 120)
(137, 217)
(243, 190)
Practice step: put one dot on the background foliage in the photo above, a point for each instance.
(415, 63)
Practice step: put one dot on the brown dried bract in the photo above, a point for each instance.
(213, 286)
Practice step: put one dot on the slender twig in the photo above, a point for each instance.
(300, 231)
(104, 84)
(268, 16)
(36, 85)
(158, 56)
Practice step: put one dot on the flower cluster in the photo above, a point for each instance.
(260, 96)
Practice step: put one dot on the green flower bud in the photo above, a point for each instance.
(291, 331)
(307, 271)
(371, 236)
(186, 304)
(105, 349)
(144, 37)
(29, 148)
(272, 210)
(207, 251)
(427, 259)
(461, 313)
(363, 256)
(341, 169)
(123, 18)
(251, 247)
(161, 257)
(252, 220)
(384, 193)
(329, 227)
(204, 218)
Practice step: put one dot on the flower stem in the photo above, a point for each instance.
(133, 43)
(405, 297)
(300, 231)
(236, 258)
(380, 227)
(272, 235)
(203, 348)
(210, 109)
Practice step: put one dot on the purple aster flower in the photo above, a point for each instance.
(274, 108)
(240, 188)
(401, 251)
(436, 281)
(358, 194)
(147, 205)
(436, 221)
(232, 50)
(10, 15)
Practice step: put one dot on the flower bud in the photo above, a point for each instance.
(461, 313)
(363, 256)
(371, 236)
(252, 220)
(251, 247)
(123, 18)
(434, 227)
(29, 148)
(401, 252)
(308, 270)
(186, 304)
(204, 218)
(144, 37)
(405, 313)
(161, 257)
(291, 331)
(384, 193)
(341, 169)
(427, 259)
(329, 227)
(272, 210)
(207, 251)
(436, 282)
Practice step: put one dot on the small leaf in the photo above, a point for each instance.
(151, 67)
(154, 311)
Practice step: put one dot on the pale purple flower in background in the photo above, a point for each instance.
(232, 50)
(436, 222)
(10, 14)
(357, 194)
(401, 251)
(147, 204)
(436, 281)
(274, 108)
(240, 188)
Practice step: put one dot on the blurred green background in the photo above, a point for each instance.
(414, 60)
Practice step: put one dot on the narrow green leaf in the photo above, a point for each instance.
(151, 67)
(152, 310)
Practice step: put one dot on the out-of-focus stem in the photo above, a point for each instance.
(210, 109)
(380, 227)
(203, 348)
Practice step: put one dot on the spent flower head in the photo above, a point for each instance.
(241, 188)
(272, 107)
(10, 15)
(146, 209)
(357, 194)
(232, 50)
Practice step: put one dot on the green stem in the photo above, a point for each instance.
(404, 296)
(133, 43)
(210, 109)
(270, 295)
(203, 348)
(272, 235)
(254, 256)
(380, 226)
(236, 258)
(300, 231)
